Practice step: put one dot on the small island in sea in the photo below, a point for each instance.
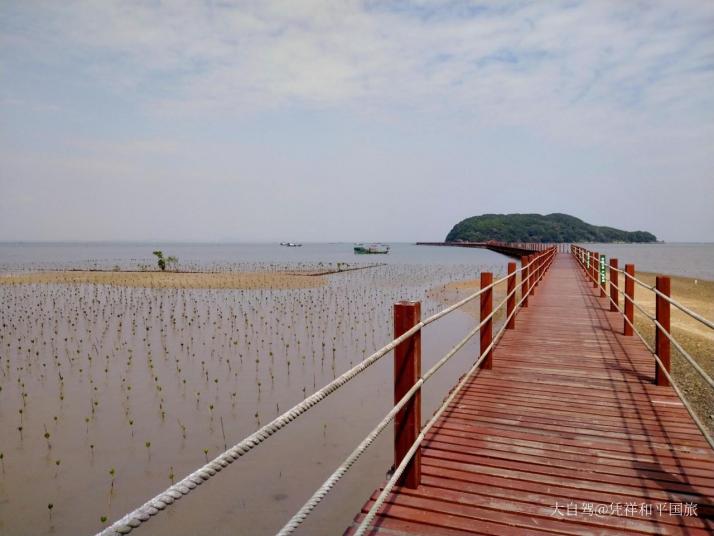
(539, 228)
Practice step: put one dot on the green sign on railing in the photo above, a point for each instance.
(602, 269)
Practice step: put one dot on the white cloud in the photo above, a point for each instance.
(627, 82)
(230, 57)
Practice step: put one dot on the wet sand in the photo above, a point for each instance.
(155, 279)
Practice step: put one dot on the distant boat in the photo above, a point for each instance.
(361, 249)
(290, 244)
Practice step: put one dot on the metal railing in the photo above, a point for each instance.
(407, 349)
(602, 275)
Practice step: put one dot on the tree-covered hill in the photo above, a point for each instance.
(539, 228)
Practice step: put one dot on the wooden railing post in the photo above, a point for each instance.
(629, 297)
(407, 370)
(511, 296)
(541, 266)
(524, 280)
(601, 275)
(486, 332)
(662, 343)
(595, 268)
(614, 285)
(537, 265)
(532, 273)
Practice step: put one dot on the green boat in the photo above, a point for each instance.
(372, 249)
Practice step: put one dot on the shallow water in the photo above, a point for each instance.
(690, 260)
(686, 259)
(131, 255)
(104, 370)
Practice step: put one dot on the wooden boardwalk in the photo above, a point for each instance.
(565, 435)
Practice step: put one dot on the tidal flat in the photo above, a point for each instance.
(112, 390)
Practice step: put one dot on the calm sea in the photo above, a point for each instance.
(686, 259)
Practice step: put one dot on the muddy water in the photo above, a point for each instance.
(106, 370)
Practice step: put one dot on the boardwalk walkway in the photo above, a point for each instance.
(568, 418)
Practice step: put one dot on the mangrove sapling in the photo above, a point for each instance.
(112, 473)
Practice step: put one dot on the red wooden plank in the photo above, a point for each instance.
(570, 412)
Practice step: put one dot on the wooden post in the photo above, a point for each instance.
(532, 273)
(511, 293)
(524, 280)
(629, 297)
(662, 343)
(486, 333)
(595, 268)
(407, 370)
(600, 273)
(614, 292)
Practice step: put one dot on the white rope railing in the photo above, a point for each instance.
(322, 491)
(174, 492)
(683, 308)
(379, 501)
(694, 416)
(690, 359)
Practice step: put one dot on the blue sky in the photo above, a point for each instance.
(312, 120)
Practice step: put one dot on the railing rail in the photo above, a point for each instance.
(485, 353)
(533, 269)
(663, 335)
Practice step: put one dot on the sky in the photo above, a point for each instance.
(352, 120)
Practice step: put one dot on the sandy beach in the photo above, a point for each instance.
(146, 279)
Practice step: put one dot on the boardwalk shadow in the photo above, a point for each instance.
(675, 485)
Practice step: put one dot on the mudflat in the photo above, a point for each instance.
(156, 279)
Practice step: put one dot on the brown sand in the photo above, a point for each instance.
(235, 280)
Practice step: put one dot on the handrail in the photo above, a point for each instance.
(327, 485)
(683, 308)
(579, 252)
(689, 409)
(158, 503)
(364, 525)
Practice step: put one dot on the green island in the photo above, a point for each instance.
(539, 228)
